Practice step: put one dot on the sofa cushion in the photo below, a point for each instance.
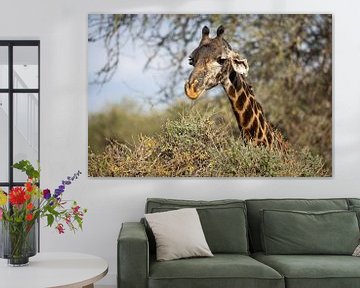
(354, 205)
(357, 251)
(313, 271)
(356, 209)
(223, 221)
(222, 270)
(254, 217)
(353, 201)
(297, 232)
(178, 234)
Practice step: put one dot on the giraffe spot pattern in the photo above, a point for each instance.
(269, 136)
(233, 76)
(262, 121)
(232, 92)
(237, 116)
(256, 105)
(259, 107)
(253, 103)
(248, 112)
(239, 105)
(253, 130)
(241, 101)
(247, 115)
(249, 89)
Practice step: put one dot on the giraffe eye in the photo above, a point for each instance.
(220, 60)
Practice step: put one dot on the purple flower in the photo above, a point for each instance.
(68, 181)
(57, 193)
(46, 194)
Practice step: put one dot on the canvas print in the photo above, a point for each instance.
(210, 95)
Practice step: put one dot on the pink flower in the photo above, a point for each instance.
(1, 212)
(76, 210)
(68, 219)
(60, 228)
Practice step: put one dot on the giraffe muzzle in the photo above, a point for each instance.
(192, 91)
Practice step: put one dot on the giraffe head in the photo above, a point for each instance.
(213, 59)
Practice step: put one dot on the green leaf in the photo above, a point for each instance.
(28, 168)
(50, 219)
(52, 211)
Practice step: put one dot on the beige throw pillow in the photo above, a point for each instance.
(178, 234)
(357, 251)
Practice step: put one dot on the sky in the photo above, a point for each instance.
(130, 80)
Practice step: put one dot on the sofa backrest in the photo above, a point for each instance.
(353, 202)
(256, 205)
(223, 221)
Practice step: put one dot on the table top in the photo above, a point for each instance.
(66, 269)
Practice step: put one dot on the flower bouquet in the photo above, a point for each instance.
(21, 208)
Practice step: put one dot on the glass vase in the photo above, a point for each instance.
(18, 242)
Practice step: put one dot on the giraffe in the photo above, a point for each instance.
(216, 63)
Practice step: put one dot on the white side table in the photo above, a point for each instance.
(45, 270)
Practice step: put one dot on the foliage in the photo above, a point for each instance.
(290, 58)
(26, 167)
(122, 123)
(28, 203)
(291, 67)
(200, 143)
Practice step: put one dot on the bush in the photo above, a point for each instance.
(200, 144)
(121, 123)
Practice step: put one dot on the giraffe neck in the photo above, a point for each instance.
(248, 112)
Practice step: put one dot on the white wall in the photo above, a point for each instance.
(62, 28)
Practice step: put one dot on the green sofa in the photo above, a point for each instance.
(246, 251)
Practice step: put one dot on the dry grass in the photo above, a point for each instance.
(199, 143)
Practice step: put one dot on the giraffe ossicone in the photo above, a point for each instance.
(215, 63)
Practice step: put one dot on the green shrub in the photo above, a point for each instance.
(199, 142)
(122, 123)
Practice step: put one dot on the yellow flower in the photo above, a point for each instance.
(3, 198)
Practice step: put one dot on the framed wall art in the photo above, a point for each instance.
(210, 95)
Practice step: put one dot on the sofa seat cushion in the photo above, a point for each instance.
(222, 270)
(313, 271)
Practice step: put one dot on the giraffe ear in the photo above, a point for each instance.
(205, 35)
(220, 31)
(239, 64)
(205, 31)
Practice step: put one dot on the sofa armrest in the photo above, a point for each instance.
(133, 256)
